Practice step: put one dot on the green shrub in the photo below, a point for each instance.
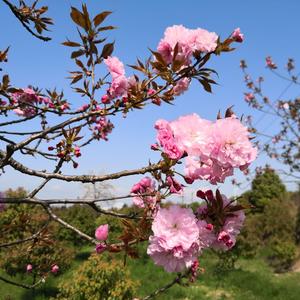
(98, 278)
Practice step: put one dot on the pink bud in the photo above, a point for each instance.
(154, 147)
(29, 268)
(105, 99)
(101, 232)
(50, 148)
(209, 227)
(100, 248)
(54, 269)
(237, 35)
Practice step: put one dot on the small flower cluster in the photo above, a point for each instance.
(213, 149)
(180, 235)
(27, 102)
(145, 186)
(120, 83)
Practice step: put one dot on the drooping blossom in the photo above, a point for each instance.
(175, 240)
(237, 35)
(119, 84)
(167, 141)
(222, 235)
(181, 86)
(54, 269)
(101, 232)
(174, 186)
(145, 186)
(102, 128)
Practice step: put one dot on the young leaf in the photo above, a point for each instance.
(101, 17)
(77, 17)
(107, 50)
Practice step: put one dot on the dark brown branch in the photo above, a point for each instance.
(15, 11)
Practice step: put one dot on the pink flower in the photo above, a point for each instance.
(237, 35)
(174, 244)
(119, 84)
(181, 86)
(203, 40)
(225, 237)
(29, 268)
(232, 147)
(101, 232)
(145, 186)
(77, 151)
(166, 139)
(54, 269)
(115, 67)
(188, 41)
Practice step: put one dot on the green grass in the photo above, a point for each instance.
(251, 280)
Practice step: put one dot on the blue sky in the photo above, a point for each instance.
(270, 28)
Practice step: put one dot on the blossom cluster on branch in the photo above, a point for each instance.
(211, 149)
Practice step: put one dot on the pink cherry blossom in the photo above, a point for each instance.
(203, 40)
(181, 86)
(174, 244)
(115, 66)
(101, 232)
(145, 186)
(187, 41)
(232, 147)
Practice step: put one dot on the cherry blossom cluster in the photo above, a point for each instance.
(212, 149)
(26, 103)
(180, 235)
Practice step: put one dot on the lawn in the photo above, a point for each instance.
(252, 279)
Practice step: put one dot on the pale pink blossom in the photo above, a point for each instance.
(115, 66)
(187, 41)
(145, 186)
(249, 97)
(101, 232)
(181, 86)
(232, 147)
(174, 244)
(203, 40)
